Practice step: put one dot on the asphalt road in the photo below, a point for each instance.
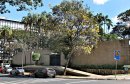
(27, 80)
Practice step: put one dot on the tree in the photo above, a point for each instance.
(36, 57)
(39, 25)
(6, 35)
(124, 16)
(28, 21)
(19, 4)
(122, 28)
(76, 28)
(102, 21)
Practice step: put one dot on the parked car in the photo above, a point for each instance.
(45, 72)
(8, 69)
(1, 70)
(20, 70)
(5, 65)
(17, 71)
(14, 72)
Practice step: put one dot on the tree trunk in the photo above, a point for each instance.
(36, 62)
(68, 61)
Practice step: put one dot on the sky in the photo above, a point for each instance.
(108, 7)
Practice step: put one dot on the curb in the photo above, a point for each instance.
(91, 78)
(4, 75)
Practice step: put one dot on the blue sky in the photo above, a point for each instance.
(108, 7)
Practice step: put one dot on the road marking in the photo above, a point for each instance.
(81, 82)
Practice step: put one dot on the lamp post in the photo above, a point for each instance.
(128, 26)
(128, 53)
(1, 50)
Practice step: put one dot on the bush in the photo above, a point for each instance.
(106, 66)
(100, 69)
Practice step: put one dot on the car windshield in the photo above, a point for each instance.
(9, 67)
(19, 68)
(51, 69)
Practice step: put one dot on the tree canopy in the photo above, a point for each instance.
(124, 16)
(76, 28)
(76, 23)
(19, 4)
(122, 28)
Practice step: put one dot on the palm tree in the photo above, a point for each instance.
(6, 34)
(107, 22)
(28, 21)
(102, 21)
(34, 21)
(42, 20)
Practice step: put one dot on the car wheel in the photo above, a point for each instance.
(22, 73)
(15, 74)
(54, 76)
(35, 75)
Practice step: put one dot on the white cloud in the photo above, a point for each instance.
(115, 20)
(1, 17)
(100, 2)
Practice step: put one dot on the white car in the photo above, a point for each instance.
(8, 69)
(20, 70)
(17, 71)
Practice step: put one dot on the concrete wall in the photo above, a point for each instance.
(27, 59)
(104, 54)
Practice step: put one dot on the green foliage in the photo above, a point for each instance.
(20, 34)
(19, 4)
(35, 56)
(104, 22)
(106, 66)
(109, 37)
(6, 32)
(122, 28)
(77, 25)
(124, 16)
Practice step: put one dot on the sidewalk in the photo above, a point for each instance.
(96, 77)
(4, 75)
(92, 77)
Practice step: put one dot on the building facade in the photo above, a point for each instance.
(47, 58)
(103, 54)
(15, 25)
(24, 57)
(12, 24)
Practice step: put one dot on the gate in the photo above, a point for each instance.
(55, 60)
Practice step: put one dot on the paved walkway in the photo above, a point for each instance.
(86, 75)
(109, 77)
(92, 77)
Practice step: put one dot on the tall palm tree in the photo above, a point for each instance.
(107, 22)
(34, 21)
(42, 21)
(99, 17)
(6, 34)
(28, 21)
(103, 21)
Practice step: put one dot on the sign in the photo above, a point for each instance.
(117, 55)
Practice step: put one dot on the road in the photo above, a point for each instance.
(27, 80)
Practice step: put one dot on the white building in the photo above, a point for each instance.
(12, 24)
(16, 25)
